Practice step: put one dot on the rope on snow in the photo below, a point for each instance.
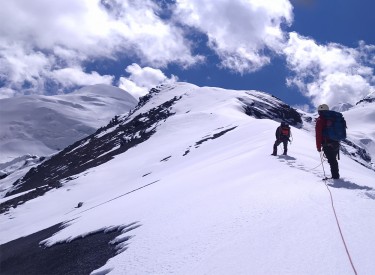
(337, 220)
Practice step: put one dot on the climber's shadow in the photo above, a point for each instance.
(341, 183)
(286, 157)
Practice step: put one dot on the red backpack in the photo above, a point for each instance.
(285, 131)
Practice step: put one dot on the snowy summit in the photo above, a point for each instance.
(42, 125)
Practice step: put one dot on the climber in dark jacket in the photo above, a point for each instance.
(331, 148)
(282, 136)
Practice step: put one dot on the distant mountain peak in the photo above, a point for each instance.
(368, 99)
(342, 107)
(41, 125)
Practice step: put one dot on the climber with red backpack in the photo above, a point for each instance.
(283, 134)
(330, 129)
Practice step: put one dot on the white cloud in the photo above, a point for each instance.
(70, 77)
(40, 36)
(25, 72)
(329, 73)
(44, 42)
(239, 31)
(141, 80)
(22, 68)
(304, 107)
(19, 64)
(7, 93)
(94, 28)
(367, 52)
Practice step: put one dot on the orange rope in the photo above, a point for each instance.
(342, 236)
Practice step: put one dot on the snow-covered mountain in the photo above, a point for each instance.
(361, 130)
(41, 125)
(342, 107)
(185, 184)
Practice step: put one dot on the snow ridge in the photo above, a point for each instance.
(190, 166)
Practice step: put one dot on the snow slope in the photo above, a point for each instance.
(41, 125)
(361, 128)
(203, 195)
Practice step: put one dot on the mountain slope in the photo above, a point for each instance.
(141, 124)
(193, 190)
(360, 120)
(41, 125)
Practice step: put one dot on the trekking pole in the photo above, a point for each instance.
(321, 159)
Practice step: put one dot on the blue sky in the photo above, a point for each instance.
(303, 51)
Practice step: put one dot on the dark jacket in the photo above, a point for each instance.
(280, 133)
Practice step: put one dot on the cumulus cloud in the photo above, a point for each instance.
(304, 107)
(44, 41)
(329, 73)
(141, 80)
(27, 71)
(19, 65)
(46, 45)
(70, 77)
(241, 31)
(94, 28)
(6, 93)
(41, 36)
